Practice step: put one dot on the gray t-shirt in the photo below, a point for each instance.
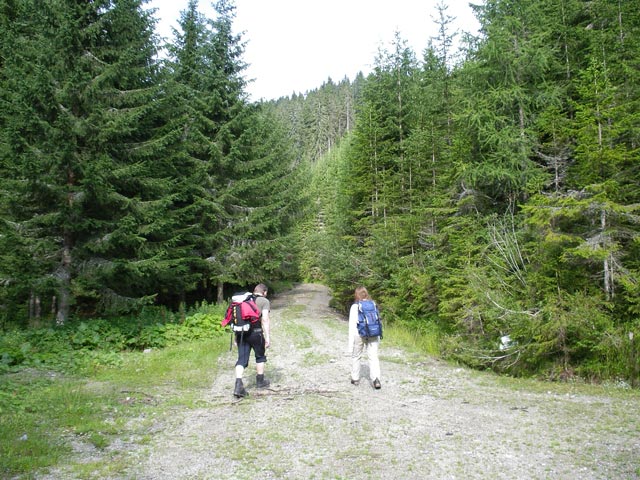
(262, 303)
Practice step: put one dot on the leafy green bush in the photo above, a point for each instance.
(91, 344)
(11, 350)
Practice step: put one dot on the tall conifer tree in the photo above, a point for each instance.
(229, 160)
(82, 81)
(192, 160)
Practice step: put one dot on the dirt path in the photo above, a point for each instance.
(429, 420)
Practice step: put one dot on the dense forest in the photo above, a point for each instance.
(488, 197)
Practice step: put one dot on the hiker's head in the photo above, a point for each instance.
(261, 289)
(361, 294)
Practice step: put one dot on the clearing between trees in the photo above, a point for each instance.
(430, 420)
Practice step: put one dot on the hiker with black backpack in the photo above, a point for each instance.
(254, 337)
(365, 330)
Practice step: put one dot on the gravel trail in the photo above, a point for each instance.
(430, 420)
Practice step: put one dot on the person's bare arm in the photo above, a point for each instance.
(266, 328)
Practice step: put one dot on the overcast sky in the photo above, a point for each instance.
(295, 45)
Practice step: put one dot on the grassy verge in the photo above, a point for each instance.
(424, 342)
(47, 416)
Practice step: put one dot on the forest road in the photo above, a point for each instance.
(430, 420)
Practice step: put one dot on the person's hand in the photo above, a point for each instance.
(267, 342)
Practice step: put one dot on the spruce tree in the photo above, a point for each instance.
(231, 164)
(265, 200)
(191, 111)
(82, 79)
(505, 86)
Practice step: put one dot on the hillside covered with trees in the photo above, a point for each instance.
(488, 197)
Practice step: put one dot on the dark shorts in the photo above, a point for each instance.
(252, 339)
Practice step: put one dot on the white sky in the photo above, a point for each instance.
(296, 45)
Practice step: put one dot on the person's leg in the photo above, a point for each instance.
(259, 349)
(261, 381)
(374, 361)
(244, 350)
(356, 354)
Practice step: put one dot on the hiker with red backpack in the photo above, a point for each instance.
(365, 330)
(249, 319)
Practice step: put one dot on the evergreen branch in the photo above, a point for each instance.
(89, 54)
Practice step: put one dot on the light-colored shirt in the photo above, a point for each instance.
(353, 326)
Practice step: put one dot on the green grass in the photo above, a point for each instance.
(301, 334)
(313, 358)
(42, 414)
(292, 312)
(576, 386)
(427, 343)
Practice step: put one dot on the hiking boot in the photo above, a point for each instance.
(376, 384)
(239, 391)
(355, 382)
(262, 382)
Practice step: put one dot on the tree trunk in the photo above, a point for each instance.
(64, 278)
(220, 295)
(32, 305)
(38, 308)
(633, 360)
(608, 263)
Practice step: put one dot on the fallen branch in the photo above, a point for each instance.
(295, 392)
(507, 310)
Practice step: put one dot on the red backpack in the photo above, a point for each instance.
(242, 312)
